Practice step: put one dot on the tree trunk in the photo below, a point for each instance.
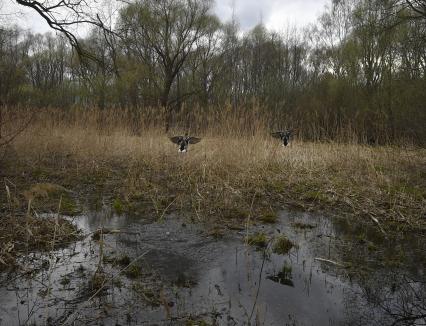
(165, 101)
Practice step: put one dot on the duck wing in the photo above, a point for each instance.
(277, 134)
(176, 139)
(194, 140)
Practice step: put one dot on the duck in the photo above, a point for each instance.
(184, 141)
(283, 135)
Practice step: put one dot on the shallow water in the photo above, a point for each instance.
(186, 275)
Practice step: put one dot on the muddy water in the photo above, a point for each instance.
(339, 273)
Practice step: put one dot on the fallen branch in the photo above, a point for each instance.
(375, 220)
(332, 262)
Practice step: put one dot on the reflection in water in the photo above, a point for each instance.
(284, 276)
(397, 300)
(184, 275)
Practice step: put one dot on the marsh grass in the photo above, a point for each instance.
(19, 235)
(236, 164)
(282, 245)
(258, 239)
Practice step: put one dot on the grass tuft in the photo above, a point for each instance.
(17, 234)
(269, 217)
(118, 206)
(258, 239)
(282, 245)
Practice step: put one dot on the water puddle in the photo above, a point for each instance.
(338, 273)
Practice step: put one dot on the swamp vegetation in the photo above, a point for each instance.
(102, 221)
(135, 194)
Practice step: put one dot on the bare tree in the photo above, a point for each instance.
(170, 29)
(418, 6)
(65, 15)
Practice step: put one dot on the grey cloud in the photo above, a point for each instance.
(250, 12)
(276, 14)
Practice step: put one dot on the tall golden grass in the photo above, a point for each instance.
(237, 170)
(212, 121)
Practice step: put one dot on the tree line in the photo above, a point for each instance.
(361, 68)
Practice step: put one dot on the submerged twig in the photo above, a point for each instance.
(165, 210)
(375, 220)
(332, 262)
(104, 284)
(259, 281)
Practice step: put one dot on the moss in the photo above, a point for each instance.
(268, 217)
(282, 245)
(258, 239)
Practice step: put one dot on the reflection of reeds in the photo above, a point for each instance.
(236, 161)
(20, 235)
(22, 230)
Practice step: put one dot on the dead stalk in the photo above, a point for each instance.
(104, 283)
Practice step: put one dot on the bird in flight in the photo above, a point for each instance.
(283, 135)
(184, 141)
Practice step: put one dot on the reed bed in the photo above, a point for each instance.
(237, 172)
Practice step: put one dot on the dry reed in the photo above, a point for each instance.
(236, 162)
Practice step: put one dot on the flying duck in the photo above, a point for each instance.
(184, 141)
(283, 135)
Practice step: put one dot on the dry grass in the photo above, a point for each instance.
(21, 235)
(233, 173)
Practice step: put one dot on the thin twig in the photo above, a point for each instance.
(329, 261)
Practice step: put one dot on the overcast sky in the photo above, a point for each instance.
(275, 14)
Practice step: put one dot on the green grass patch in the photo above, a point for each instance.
(259, 240)
(282, 245)
(268, 217)
(118, 206)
